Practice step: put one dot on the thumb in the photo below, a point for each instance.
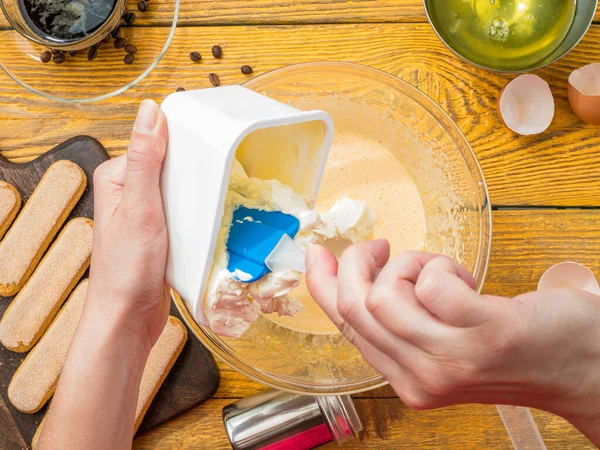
(446, 292)
(145, 155)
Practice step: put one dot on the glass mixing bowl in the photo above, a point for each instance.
(418, 134)
(78, 80)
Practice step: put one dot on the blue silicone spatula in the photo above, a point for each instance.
(261, 241)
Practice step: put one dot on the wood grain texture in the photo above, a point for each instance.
(270, 12)
(560, 167)
(388, 425)
(525, 244)
(193, 378)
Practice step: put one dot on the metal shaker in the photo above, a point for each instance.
(274, 420)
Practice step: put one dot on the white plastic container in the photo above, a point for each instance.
(207, 129)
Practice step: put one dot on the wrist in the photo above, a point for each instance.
(111, 322)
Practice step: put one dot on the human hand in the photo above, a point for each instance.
(127, 275)
(422, 325)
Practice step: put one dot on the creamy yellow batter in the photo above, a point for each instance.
(363, 169)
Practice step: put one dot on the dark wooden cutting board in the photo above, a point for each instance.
(194, 377)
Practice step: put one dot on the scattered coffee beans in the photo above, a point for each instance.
(217, 51)
(129, 18)
(73, 52)
(130, 48)
(214, 79)
(180, 89)
(45, 56)
(246, 70)
(116, 33)
(120, 42)
(59, 59)
(195, 56)
(129, 58)
(92, 53)
(142, 6)
(106, 39)
(55, 52)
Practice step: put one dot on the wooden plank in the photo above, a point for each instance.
(271, 12)
(11, 437)
(558, 168)
(528, 242)
(388, 425)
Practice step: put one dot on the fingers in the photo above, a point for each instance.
(357, 271)
(145, 156)
(108, 187)
(356, 274)
(321, 280)
(393, 302)
(443, 290)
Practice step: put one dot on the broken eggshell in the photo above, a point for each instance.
(526, 105)
(571, 275)
(584, 93)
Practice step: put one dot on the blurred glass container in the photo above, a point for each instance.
(77, 79)
(585, 11)
(13, 11)
(454, 194)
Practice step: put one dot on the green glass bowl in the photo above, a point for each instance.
(584, 15)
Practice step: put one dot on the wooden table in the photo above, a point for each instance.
(545, 189)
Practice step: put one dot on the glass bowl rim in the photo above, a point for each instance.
(492, 69)
(211, 341)
(108, 95)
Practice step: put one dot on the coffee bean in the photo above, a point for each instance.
(142, 6)
(120, 42)
(92, 53)
(129, 18)
(116, 33)
(195, 56)
(59, 59)
(45, 56)
(214, 79)
(129, 58)
(246, 70)
(73, 52)
(130, 48)
(180, 89)
(217, 51)
(97, 45)
(106, 39)
(55, 52)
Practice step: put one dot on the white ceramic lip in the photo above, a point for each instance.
(569, 274)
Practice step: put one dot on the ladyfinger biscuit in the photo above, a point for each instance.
(32, 310)
(10, 202)
(160, 361)
(53, 199)
(35, 380)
